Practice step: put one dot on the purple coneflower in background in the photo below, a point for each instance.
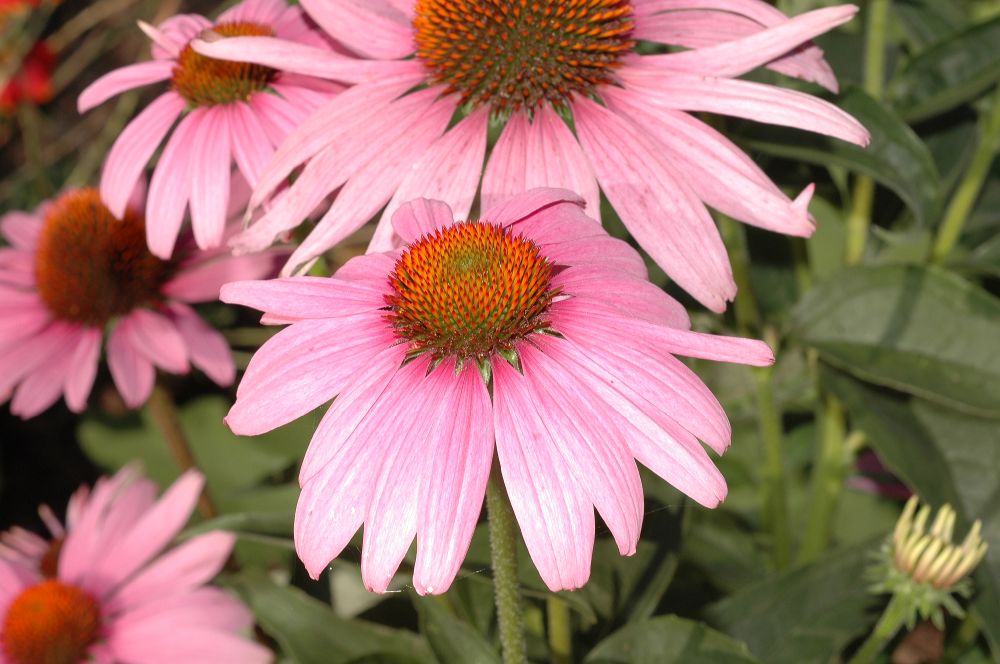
(104, 590)
(232, 112)
(540, 68)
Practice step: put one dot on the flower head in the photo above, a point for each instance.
(110, 593)
(537, 68)
(530, 330)
(230, 112)
(75, 271)
(924, 566)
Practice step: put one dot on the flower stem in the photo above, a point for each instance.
(828, 475)
(560, 631)
(164, 413)
(860, 217)
(747, 311)
(972, 183)
(503, 546)
(892, 619)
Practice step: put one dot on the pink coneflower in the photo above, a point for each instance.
(532, 66)
(233, 111)
(532, 328)
(103, 593)
(75, 271)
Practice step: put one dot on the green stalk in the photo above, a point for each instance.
(972, 183)
(163, 410)
(890, 622)
(773, 492)
(560, 631)
(503, 546)
(860, 217)
(829, 472)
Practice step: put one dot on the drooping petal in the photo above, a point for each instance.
(540, 153)
(133, 148)
(632, 296)
(421, 217)
(374, 28)
(156, 642)
(156, 338)
(170, 187)
(656, 204)
(201, 279)
(554, 514)
(516, 209)
(456, 468)
(449, 171)
(250, 153)
(205, 345)
(132, 372)
(304, 297)
(122, 79)
(210, 175)
(304, 366)
(42, 387)
(22, 229)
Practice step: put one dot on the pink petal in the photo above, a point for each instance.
(156, 338)
(656, 205)
(662, 385)
(170, 187)
(529, 203)
(132, 373)
(668, 339)
(205, 607)
(421, 217)
(719, 172)
(304, 297)
(300, 58)
(210, 175)
(542, 153)
(149, 535)
(571, 417)
(739, 56)
(604, 251)
(22, 229)
(123, 79)
(249, 151)
(20, 323)
(134, 147)
(449, 171)
(189, 565)
(552, 509)
(390, 157)
(303, 367)
(338, 472)
(457, 466)
(259, 11)
(205, 345)
(743, 99)
(173, 34)
(631, 296)
(663, 446)
(374, 28)
(201, 280)
(157, 642)
(19, 360)
(42, 387)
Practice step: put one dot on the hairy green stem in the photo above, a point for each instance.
(503, 546)
(860, 216)
(890, 622)
(560, 630)
(971, 185)
(163, 410)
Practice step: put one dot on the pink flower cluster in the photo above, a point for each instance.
(528, 333)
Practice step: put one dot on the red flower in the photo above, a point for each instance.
(32, 83)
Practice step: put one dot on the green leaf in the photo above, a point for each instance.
(951, 72)
(669, 640)
(896, 158)
(453, 641)
(310, 633)
(805, 615)
(924, 331)
(946, 457)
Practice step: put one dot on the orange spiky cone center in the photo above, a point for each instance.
(91, 266)
(205, 81)
(469, 291)
(50, 623)
(518, 53)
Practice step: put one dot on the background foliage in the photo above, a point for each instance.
(886, 324)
